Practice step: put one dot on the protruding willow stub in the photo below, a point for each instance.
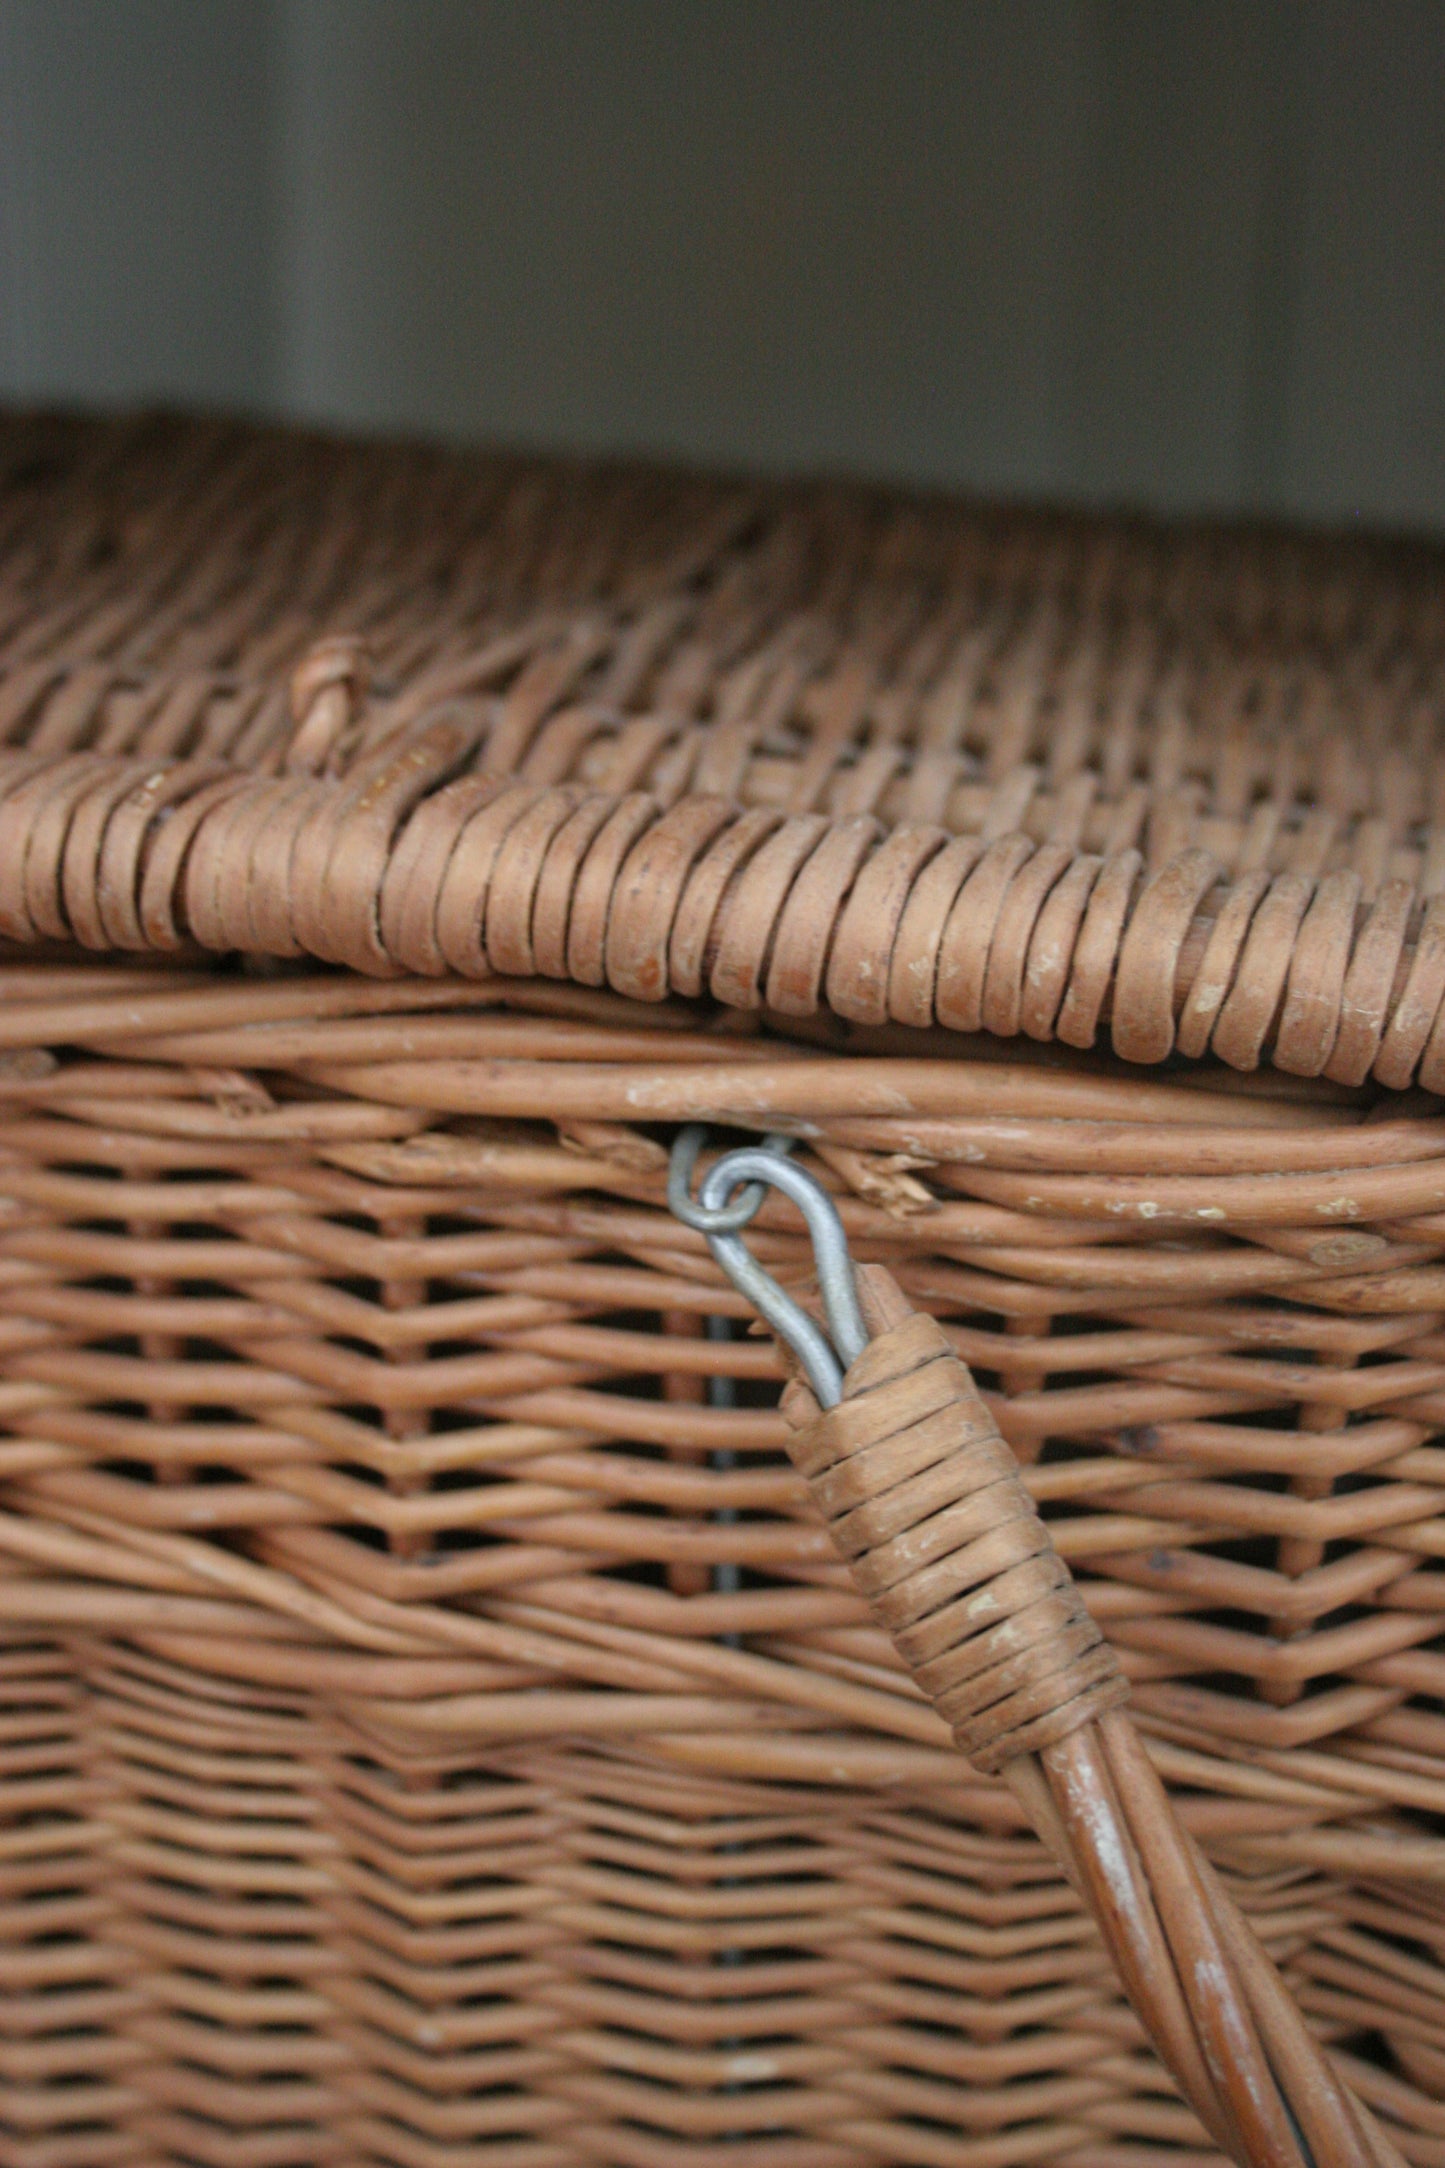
(328, 691)
(925, 1500)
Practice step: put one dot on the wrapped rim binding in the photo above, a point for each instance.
(908, 762)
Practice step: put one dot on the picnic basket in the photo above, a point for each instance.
(438, 1723)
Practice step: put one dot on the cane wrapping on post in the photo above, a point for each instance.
(923, 1499)
(926, 1503)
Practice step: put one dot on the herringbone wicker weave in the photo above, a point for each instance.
(435, 1724)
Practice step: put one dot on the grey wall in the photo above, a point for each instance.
(1181, 252)
(138, 199)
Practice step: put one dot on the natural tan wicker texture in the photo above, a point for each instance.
(435, 1724)
(401, 710)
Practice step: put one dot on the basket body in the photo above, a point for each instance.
(433, 1726)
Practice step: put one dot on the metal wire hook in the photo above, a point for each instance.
(729, 1219)
(756, 1165)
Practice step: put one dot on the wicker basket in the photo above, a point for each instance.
(436, 1725)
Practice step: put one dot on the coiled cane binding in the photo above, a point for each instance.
(923, 1498)
(901, 762)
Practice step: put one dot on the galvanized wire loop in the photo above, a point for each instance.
(729, 1219)
(823, 1359)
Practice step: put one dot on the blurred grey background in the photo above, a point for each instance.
(1179, 253)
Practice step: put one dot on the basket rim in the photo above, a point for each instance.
(410, 831)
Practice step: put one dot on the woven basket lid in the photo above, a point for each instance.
(914, 761)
